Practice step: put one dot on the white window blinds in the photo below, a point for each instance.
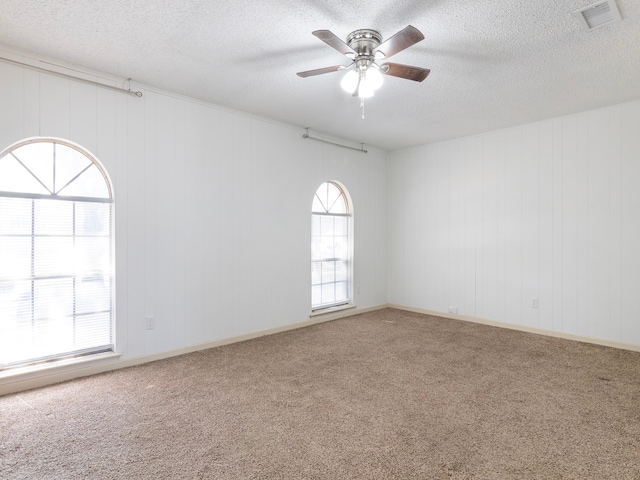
(330, 248)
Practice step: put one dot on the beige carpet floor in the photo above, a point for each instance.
(382, 395)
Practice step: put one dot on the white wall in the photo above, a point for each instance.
(212, 206)
(549, 210)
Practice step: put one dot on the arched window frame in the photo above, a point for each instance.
(331, 248)
(75, 176)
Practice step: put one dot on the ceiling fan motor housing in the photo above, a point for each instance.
(364, 41)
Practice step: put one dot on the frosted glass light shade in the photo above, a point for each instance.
(349, 82)
(374, 78)
(365, 82)
(365, 90)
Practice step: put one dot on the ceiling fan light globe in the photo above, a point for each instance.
(365, 90)
(374, 78)
(349, 82)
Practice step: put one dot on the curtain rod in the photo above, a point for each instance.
(306, 135)
(80, 79)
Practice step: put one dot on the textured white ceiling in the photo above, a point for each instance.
(493, 64)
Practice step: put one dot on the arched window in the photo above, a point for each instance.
(331, 240)
(56, 253)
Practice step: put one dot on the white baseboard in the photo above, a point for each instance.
(523, 328)
(35, 378)
(27, 379)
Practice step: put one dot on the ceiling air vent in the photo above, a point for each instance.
(598, 14)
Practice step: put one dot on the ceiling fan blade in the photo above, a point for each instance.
(335, 42)
(403, 39)
(320, 71)
(416, 74)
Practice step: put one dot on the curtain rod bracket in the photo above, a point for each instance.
(132, 92)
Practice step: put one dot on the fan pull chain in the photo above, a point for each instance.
(362, 106)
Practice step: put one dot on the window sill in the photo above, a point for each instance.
(338, 308)
(20, 374)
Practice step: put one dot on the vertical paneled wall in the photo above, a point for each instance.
(548, 211)
(212, 207)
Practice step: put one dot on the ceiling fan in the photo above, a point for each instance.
(364, 47)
